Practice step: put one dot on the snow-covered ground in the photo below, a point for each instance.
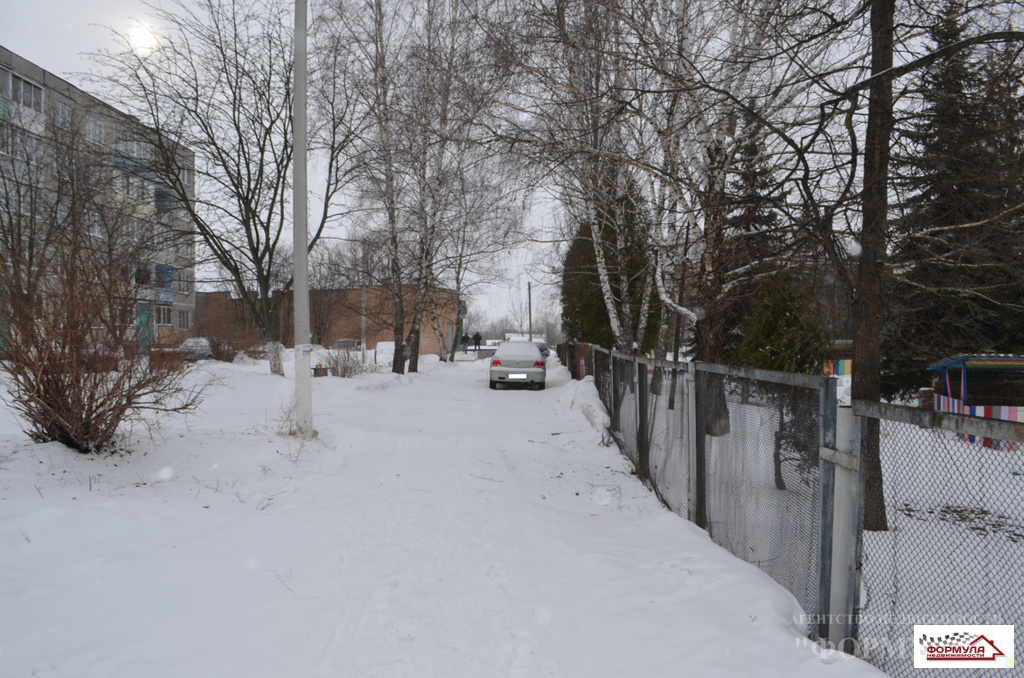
(435, 528)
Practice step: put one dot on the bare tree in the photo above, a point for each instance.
(429, 81)
(75, 341)
(220, 83)
(373, 37)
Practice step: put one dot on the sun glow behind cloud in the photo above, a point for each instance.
(142, 39)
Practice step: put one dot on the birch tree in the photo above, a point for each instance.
(429, 80)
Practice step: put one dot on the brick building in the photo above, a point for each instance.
(366, 314)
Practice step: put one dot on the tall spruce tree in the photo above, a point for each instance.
(753, 241)
(624, 227)
(957, 259)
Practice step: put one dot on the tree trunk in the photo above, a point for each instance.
(435, 323)
(413, 342)
(869, 301)
(398, 363)
(271, 332)
(276, 358)
(780, 482)
(413, 338)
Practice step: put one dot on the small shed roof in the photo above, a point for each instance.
(980, 362)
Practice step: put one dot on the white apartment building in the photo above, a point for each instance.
(33, 104)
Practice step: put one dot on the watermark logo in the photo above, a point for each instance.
(987, 646)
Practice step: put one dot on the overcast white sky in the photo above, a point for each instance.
(54, 33)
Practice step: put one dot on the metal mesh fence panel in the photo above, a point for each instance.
(762, 478)
(624, 414)
(602, 376)
(667, 433)
(954, 551)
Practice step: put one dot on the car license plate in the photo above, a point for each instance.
(517, 376)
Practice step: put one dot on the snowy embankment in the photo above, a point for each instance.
(435, 528)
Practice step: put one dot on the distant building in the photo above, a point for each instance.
(34, 103)
(989, 386)
(365, 314)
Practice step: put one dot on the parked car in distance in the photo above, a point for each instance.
(197, 348)
(517, 363)
(544, 350)
(347, 345)
(207, 348)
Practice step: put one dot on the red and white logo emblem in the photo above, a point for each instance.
(957, 646)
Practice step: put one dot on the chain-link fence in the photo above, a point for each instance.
(761, 469)
(953, 552)
(752, 456)
(668, 430)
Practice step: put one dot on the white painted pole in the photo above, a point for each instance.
(529, 306)
(843, 534)
(300, 289)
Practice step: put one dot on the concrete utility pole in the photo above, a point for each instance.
(300, 289)
(529, 307)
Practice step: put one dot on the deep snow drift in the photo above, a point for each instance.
(435, 528)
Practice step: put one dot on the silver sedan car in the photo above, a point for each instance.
(517, 363)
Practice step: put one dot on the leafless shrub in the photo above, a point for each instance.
(347, 364)
(221, 350)
(76, 327)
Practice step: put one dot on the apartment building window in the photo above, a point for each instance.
(94, 130)
(186, 248)
(163, 315)
(163, 198)
(23, 145)
(94, 223)
(131, 146)
(164, 282)
(21, 91)
(184, 284)
(132, 185)
(63, 115)
(184, 320)
(94, 177)
(25, 170)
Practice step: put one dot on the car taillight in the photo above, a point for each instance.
(495, 363)
(539, 363)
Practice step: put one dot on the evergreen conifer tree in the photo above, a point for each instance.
(957, 259)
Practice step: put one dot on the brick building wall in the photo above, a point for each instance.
(334, 314)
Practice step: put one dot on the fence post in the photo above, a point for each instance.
(858, 438)
(643, 452)
(611, 391)
(845, 528)
(700, 449)
(827, 414)
(690, 403)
